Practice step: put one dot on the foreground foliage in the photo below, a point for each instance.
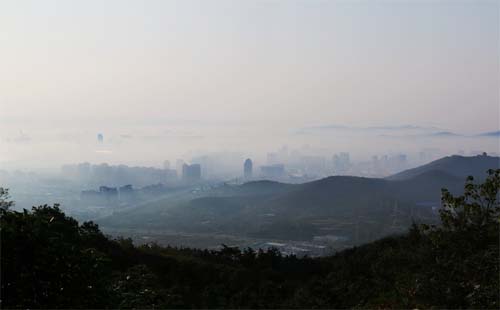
(48, 260)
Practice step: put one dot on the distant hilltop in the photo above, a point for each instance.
(458, 166)
(491, 134)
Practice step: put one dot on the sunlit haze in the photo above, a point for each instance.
(163, 80)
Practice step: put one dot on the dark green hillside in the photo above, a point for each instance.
(213, 214)
(359, 209)
(332, 196)
(426, 186)
(265, 188)
(299, 212)
(188, 210)
(49, 260)
(458, 166)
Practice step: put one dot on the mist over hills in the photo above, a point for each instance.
(353, 209)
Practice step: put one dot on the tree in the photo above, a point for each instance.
(5, 203)
(49, 261)
(476, 209)
(465, 248)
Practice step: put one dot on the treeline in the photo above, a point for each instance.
(49, 260)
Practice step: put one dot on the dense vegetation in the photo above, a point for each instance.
(48, 260)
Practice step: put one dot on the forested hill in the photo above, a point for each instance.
(458, 166)
(300, 212)
(49, 260)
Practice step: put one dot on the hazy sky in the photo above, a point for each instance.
(173, 67)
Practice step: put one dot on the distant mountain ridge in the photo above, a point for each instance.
(458, 166)
(445, 134)
(490, 134)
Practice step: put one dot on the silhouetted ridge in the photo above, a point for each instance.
(263, 184)
(434, 174)
(490, 134)
(264, 187)
(342, 180)
(458, 166)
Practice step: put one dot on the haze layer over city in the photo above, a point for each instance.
(167, 80)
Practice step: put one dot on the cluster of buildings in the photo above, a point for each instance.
(191, 173)
(105, 195)
(289, 165)
(280, 166)
(89, 174)
(121, 195)
(284, 164)
(94, 175)
(296, 167)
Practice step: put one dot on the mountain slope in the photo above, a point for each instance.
(359, 209)
(458, 166)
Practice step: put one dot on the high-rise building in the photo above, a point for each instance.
(166, 165)
(248, 168)
(179, 163)
(191, 173)
(273, 171)
(110, 194)
(169, 175)
(272, 158)
(341, 163)
(314, 165)
(126, 192)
